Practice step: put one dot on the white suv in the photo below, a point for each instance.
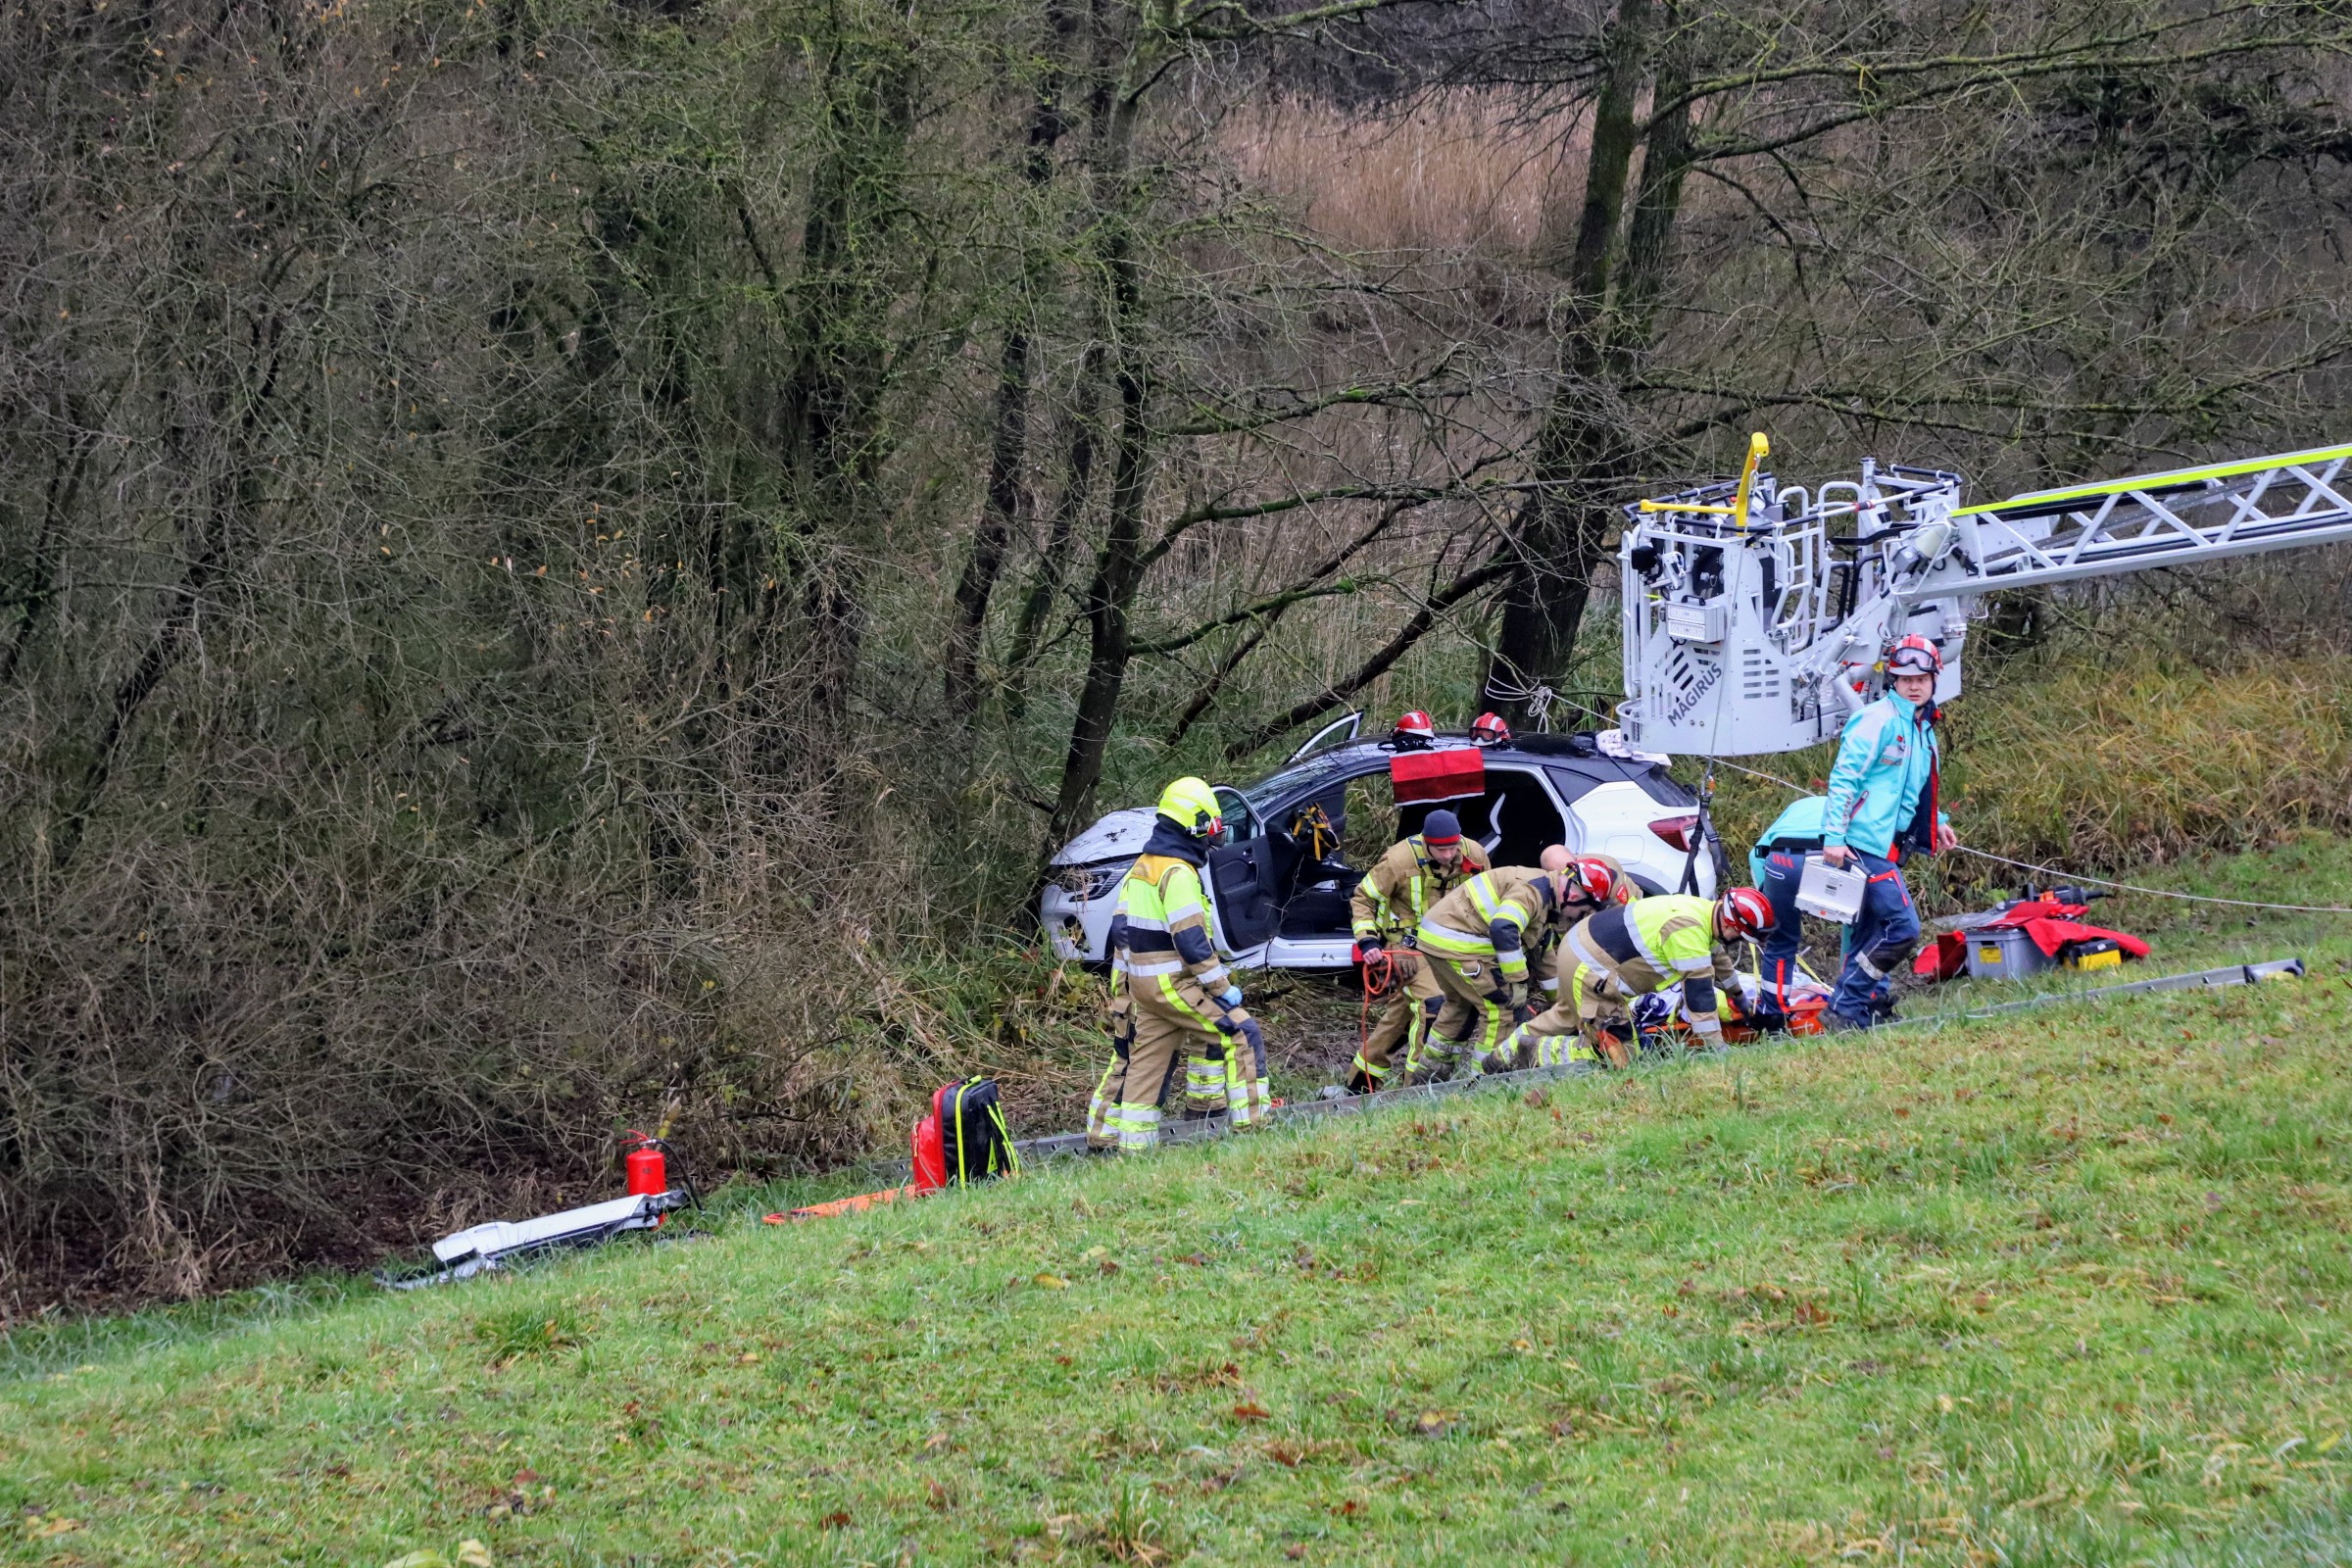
(1303, 837)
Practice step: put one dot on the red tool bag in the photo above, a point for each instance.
(2049, 924)
(1426, 777)
(966, 1139)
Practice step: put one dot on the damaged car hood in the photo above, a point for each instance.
(1120, 834)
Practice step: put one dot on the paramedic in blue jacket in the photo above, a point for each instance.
(1882, 804)
(1776, 865)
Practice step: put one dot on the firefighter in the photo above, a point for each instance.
(1632, 949)
(1476, 941)
(1883, 803)
(1595, 882)
(1390, 902)
(1171, 994)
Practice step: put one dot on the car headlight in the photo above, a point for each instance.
(1087, 883)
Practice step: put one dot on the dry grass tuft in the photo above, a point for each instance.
(1452, 171)
(2108, 765)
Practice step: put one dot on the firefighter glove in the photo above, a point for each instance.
(1230, 997)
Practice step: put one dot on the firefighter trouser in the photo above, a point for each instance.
(1471, 1020)
(1596, 1006)
(1560, 1034)
(1412, 1005)
(1148, 1038)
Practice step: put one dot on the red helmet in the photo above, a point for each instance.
(1597, 876)
(1489, 729)
(1914, 656)
(1742, 912)
(1414, 729)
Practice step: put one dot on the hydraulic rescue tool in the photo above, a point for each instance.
(1756, 613)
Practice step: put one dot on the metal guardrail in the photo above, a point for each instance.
(1057, 1146)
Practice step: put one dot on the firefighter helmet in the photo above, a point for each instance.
(1489, 729)
(1598, 876)
(1192, 806)
(1742, 912)
(1914, 655)
(1413, 730)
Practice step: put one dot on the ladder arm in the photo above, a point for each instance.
(2154, 520)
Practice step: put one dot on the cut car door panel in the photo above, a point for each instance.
(1520, 816)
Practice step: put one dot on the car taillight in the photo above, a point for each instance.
(1676, 830)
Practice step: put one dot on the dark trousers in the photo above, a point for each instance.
(1884, 935)
(1783, 871)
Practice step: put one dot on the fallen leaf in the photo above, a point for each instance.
(1348, 1509)
(424, 1557)
(42, 1529)
(474, 1554)
(1430, 1424)
(1109, 1265)
(1296, 1551)
(1052, 1282)
(1251, 1411)
(837, 1520)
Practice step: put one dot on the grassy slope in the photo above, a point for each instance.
(2066, 1288)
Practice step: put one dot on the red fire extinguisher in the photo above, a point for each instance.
(648, 1168)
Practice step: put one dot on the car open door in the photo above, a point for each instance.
(1335, 733)
(1242, 881)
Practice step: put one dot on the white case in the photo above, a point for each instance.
(1830, 893)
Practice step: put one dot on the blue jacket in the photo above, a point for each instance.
(1882, 787)
(1799, 825)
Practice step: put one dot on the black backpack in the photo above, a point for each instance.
(973, 1135)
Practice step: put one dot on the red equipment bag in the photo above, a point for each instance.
(1422, 777)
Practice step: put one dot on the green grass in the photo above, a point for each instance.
(2070, 1288)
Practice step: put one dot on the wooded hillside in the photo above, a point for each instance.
(551, 554)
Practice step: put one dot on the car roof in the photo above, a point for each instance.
(1554, 754)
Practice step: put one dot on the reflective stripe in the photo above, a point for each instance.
(1155, 966)
(1445, 939)
(1587, 953)
(1185, 910)
(1176, 1003)
(1640, 939)
(1660, 925)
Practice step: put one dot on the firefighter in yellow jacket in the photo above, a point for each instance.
(1475, 942)
(1171, 994)
(1595, 882)
(1630, 951)
(1390, 902)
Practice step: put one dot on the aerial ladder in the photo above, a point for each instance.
(1757, 615)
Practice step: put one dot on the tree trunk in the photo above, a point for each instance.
(1119, 565)
(1008, 445)
(1583, 447)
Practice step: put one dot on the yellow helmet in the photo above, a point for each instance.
(1192, 806)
